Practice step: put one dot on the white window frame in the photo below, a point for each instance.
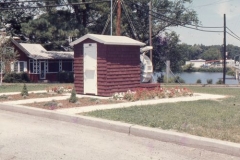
(18, 66)
(35, 66)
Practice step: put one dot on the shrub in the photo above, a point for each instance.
(65, 77)
(220, 81)
(52, 104)
(24, 90)
(189, 68)
(16, 77)
(209, 81)
(3, 96)
(179, 80)
(199, 81)
(73, 98)
(176, 79)
(231, 72)
(160, 79)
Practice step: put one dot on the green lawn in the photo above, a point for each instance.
(218, 119)
(17, 87)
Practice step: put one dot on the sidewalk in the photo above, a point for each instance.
(70, 115)
(195, 97)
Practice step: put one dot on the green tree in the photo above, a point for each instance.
(24, 90)
(15, 12)
(52, 30)
(188, 67)
(73, 98)
(213, 53)
(166, 47)
(7, 53)
(93, 17)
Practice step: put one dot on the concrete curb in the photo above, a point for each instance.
(187, 140)
(152, 133)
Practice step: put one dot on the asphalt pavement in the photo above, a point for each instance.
(27, 137)
(70, 116)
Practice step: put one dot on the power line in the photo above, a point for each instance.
(24, 2)
(179, 21)
(59, 5)
(173, 22)
(233, 32)
(233, 36)
(129, 19)
(214, 3)
(185, 24)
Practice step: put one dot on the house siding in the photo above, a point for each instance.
(118, 68)
(34, 77)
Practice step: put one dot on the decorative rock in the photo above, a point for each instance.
(156, 97)
(9, 98)
(59, 105)
(97, 101)
(78, 102)
(41, 95)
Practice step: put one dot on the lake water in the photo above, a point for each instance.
(191, 78)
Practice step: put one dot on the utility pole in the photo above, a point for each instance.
(150, 27)
(118, 32)
(224, 50)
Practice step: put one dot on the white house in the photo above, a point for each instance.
(197, 63)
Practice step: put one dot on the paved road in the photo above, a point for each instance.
(25, 137)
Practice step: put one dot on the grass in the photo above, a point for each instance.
(218, 119)
(17, 87)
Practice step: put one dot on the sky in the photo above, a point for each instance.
(210, 13)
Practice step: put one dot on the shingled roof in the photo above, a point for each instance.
(110, 40)
(36, 51)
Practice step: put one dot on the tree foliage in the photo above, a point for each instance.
(52, 30)
(212, 53)
(166, 47)
(55, 26)
(7, 53)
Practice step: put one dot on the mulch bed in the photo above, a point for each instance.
(58, 104)
(14, 97)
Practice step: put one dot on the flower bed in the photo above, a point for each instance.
(59, 89)
(157, 93)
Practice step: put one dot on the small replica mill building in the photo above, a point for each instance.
(104, 65)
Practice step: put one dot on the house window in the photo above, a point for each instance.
(67, 65)
(20, 66)
(33, 66)
(53, 66)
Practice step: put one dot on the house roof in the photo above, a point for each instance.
(110, 40)
(36, 51)
(198, 60)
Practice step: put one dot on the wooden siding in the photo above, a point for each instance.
(78, 68)
(118, 68)
(34, 77)
(50, 77)
(123, 69)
